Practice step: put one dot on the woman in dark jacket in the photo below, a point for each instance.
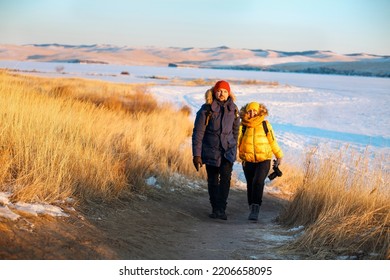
(214, 143)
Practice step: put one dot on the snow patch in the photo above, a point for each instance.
(7, 209)
(4, 200)
(152, 182)
(296, 229)
(5, 212)
(36, 209)
(276, 237)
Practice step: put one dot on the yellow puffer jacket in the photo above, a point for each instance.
(254, 145)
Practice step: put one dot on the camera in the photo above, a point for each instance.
(277, 172)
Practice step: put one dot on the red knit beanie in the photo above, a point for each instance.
(222, 84)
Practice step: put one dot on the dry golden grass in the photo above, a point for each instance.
(66, 137)
(344, 206)
(289, 182)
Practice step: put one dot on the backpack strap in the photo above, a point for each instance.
(208, 114)
(236, 112)
(265, 127)
(243, 129)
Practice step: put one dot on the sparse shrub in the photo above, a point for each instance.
(199, 82)
(140, 101)
(258, 82)
(61, 91)
(186, 110)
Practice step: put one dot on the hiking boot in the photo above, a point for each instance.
(213, 214)
(221, 215)
(253, 216)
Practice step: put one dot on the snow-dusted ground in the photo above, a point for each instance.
(306, 110)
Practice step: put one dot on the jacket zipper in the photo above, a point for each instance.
(254, 148)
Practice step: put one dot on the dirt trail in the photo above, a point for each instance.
(162, 225)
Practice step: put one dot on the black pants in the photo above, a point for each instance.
(255, 174)
(218, 181)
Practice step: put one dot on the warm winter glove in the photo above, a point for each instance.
(197, 162)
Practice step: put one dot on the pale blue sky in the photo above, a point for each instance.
(343, 26)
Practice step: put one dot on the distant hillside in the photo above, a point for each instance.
(312, 61)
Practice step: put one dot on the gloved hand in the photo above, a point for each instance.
(197, 162)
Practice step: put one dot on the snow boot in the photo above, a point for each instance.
(253, 216)
(214, 214)
(221, 214)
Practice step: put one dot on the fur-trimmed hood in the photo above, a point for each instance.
(209, 96)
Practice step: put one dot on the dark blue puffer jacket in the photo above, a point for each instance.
(219, 137)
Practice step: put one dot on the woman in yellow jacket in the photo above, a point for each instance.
(256, 148)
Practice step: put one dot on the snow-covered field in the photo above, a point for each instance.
(306, 110)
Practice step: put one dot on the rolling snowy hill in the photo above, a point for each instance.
(314, 61)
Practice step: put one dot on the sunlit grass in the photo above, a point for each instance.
(72, 137)
(344, 206)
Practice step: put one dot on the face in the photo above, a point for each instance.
(252, 113)
(221, 94)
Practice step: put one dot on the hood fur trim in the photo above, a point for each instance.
(263, 111)
(209, 96)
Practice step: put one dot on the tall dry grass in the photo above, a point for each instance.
(345, 208)
(73, 137)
